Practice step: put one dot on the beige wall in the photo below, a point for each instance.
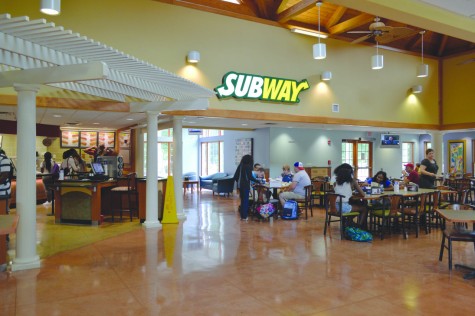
(163, 34)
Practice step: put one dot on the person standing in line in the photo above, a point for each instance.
(69, 164)
(50, 171)
(243, 176)
(5, 185)
(428, 170)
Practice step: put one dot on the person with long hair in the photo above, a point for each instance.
(50, 171)
(243, 176)
(381, 177)
(344, 185)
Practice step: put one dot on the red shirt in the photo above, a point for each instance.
(413, 177)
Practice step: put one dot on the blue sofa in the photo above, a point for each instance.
(224, 186)
(206, 182)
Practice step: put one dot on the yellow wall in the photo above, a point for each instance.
(163, 34)
(459, 90)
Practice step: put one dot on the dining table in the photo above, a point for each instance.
(455, 215)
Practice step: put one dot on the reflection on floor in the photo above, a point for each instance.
(215, 264)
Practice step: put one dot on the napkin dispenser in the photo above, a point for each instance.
(412, 188)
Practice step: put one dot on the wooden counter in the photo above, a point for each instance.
(142, 189)
(81, 202)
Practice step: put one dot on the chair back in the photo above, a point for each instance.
(435, 200)
(394, 203)
(422, 202)
(330, 203)
(261, 193)
(132, 181)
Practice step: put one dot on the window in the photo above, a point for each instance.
(212, 154)
(164, 153)
(212, 132)
(407, 153)
(427, 145)
(359, 155)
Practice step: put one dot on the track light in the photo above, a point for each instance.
(423, 68)
(417, 89)
(326, 75)
(377, 61)
(50, 7)
(320, 49)
(193, 57)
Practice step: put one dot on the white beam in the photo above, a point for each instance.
(88, 71)
(160, 106)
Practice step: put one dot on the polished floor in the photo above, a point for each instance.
(215, 264)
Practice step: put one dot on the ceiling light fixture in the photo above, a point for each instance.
(193, 56)
(326, 75)
(50, 7)
(320, 49)
(308, 32)
(377, 61)
(417, 89)
(423, 68)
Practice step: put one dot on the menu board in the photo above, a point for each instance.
(107, 139)
(70, 139)
(88, 139)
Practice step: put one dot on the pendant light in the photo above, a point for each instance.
(377, 61)
(320, 49)
(50, 7)
(423, 68)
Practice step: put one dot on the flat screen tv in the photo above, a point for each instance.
(390, 141)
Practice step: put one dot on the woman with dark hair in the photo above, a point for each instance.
(243, 176)
(69, 163)
(381, 178)
(428, 170)
(344, 185)
(50, 172)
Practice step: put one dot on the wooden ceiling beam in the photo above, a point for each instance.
(443, 44)
(295, 10)
(336, 16)
(351, 24)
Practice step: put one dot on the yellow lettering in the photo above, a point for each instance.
(271, 87)
(297, 88)
(286, 91)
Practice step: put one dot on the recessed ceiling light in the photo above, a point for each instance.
(57, 115)
(96, 123)
(129, 119)
(191, 122)
(244, 124)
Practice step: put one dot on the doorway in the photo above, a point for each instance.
(359, 154)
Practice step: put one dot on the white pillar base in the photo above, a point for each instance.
(26, 264)
(151, 224)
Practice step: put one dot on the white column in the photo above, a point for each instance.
(178, 165)
(151, 216)
(437, 145)
(26, 256)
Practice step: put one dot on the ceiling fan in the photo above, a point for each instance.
(382, 33)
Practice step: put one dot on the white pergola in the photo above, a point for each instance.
(35, 53)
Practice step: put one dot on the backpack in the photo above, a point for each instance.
(357, 234)
(266, 210)
(290, 210)
(55, 171)
(12, 167)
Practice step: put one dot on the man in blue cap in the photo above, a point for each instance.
(296, 190)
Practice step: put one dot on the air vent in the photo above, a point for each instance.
(72, 123)
(270, 123)
(335, 108)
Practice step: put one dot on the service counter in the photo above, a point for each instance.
(82, 201)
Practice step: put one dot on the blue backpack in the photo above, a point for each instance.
(290, 210)
(357, 234)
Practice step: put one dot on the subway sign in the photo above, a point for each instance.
(255, 87)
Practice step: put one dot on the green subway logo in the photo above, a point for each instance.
(246, 86)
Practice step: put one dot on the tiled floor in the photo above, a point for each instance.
(214, 264)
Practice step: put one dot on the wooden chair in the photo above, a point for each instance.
(331, 210)
(306, 202)
(389, 216)
(318, 192)
(415, 213)
(132, 196)
(456, 232)
(432, 205)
